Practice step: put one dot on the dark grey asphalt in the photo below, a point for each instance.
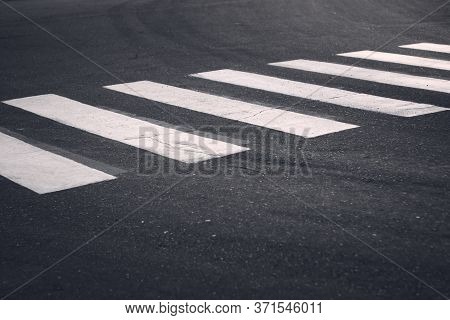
(372, 220)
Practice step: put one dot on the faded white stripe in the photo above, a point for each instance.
(425, 46)
(399, 59)
(42, 171)
(320, 93)
(276, 119)
(391, 78)
(167, 142)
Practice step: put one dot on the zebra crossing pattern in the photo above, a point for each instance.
(43, 172)
(324, 94)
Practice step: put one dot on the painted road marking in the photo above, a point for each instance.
(320, 93)
(392, 78)
(42, 171)
(428, 47)
(273, 118)
(165, 141)
(399, 59)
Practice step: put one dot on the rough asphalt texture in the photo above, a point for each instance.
(372, 220)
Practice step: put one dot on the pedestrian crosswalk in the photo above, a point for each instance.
(324, 94)
(43, 172)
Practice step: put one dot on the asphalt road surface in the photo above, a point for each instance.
(359, 212)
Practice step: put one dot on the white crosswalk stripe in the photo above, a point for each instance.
(425, 46)
(276, 119)
(42, 171)
(399, 59)
(391, 78)
(320, 93)
(164, 141)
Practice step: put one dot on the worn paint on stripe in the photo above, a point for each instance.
(165, 141)
(425, 46)
(272, 118)
(320, 93)
(399, 59)
(391, 78)
(42, 171)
